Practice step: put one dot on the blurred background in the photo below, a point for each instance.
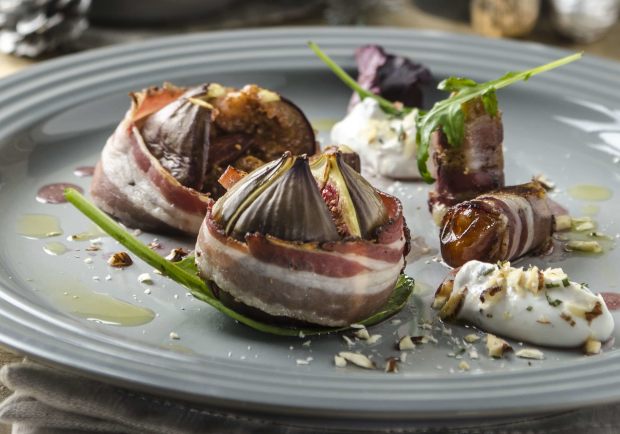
(34, 30)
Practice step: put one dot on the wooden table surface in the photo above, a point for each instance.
(407, 17)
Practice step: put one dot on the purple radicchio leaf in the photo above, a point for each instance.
(393, 77)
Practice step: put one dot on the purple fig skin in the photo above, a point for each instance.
(393, 77)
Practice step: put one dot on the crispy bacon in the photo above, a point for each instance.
(332, 283)
(502, 225)
(160, 167)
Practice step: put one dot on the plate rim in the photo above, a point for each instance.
(113, 369)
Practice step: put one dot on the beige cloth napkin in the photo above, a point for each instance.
(51, 401)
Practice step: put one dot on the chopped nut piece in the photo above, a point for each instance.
(497, 346)
(592, 347)
(405, 343)
(443, 294)
(340, 362)
(563, 222)
(120, 260)
(88, 260)
(530, 353)
(362, 334)
(471, 338)
(454, 304)
(546, 183)
(348, 340)
(155, 244)
(305, 361)
(147, 291)
(585, 226)
(391, 365)
(145, 278)
(357, 359)
(463, 365)
(173, 335)
(176, 255)
(584, 246)
(373, 339)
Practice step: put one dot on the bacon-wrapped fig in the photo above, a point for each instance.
(497, 226)
(160, 166)
(304, 239)
(473, 167)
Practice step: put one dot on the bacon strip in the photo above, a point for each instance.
(132, 185)
(160, 166)
(331, 283)
(473, 167)
(497, 226)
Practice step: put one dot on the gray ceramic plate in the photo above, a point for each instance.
(56, 116)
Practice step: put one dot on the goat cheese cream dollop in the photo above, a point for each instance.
(385, 143)
(538, 306)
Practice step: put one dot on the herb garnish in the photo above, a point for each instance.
(446, 114)
(185, 273)
(554, 303)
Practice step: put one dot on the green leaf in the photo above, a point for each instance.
(448, 115)
(185, 273)
(454, 84)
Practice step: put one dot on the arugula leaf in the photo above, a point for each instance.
(448, 115)
(185, 273)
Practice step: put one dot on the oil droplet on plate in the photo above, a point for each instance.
(36, 226)
(590, 209)
(91, 233)
(76, 299)
(590, 192)
(55, 248)
(324, 124)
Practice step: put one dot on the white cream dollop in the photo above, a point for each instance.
(386, 144)
(532, 305)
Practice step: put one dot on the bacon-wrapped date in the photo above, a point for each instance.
(502, 225)
(161, 164)
(304, 239)
(473, 167)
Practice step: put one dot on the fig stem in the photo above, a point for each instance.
(385, 104)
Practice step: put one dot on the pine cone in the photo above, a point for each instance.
(30, 28)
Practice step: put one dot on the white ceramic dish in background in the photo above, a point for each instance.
(57, 115)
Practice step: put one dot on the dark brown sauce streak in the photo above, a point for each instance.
(612, 300)
(84, 171)
(54, 193)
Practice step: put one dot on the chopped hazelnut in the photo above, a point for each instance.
(340, 362)
(497, 346)
(120, 260)
(405, 343)
(357, 359)
(471, 338)
(391, 365)
(592, 347)
(176, 255)
(530, 353)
